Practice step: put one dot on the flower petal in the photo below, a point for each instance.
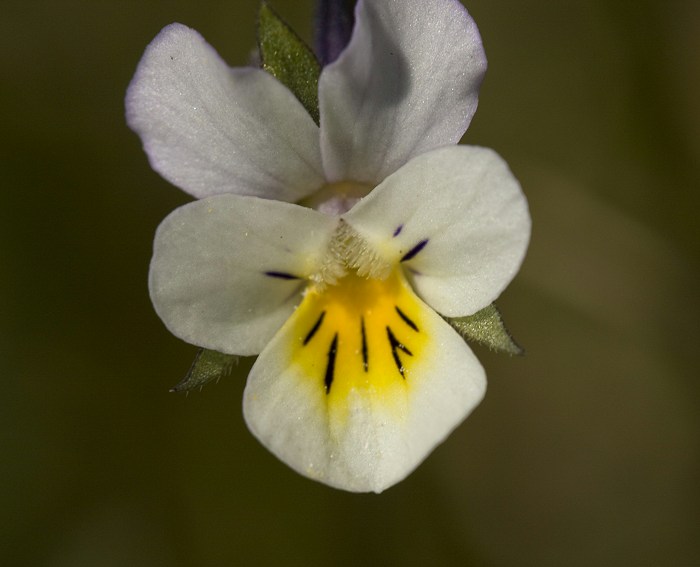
(227, 271)
(407, 83)
(210, 129)
(361, 384)
(457, 221)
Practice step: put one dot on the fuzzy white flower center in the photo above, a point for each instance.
(348, 252)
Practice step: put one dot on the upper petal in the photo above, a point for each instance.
(210, 129)
(458, 222)
(408, 82)
(227, 271)
(361, 384)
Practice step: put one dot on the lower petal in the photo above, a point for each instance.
(361, 384)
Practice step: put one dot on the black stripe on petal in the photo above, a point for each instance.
(312, 332)
(395, 347)
(330, 368)
(406, 319)
(413, 251)
(282, 275)
(365, 359)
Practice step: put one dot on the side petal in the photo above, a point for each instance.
(458, 222)
(408, 82)
(227, 271)
(210, 129)
(361, 384)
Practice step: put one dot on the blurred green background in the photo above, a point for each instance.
(585, 452)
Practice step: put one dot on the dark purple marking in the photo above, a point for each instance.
(312, 332)
(365, 354)
(330, 369)
(282, 275)
(395, 347)
(398, 230)
(406, 319)
(413, 251)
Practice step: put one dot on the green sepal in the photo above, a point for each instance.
(287, 58)
(486, 327)
(208, 366)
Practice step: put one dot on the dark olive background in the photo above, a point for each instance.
(585, 452)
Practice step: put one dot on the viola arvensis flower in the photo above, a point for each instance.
(358, 376)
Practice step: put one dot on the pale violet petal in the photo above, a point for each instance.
(456, 220)
(210, 129)
(227, 271)
(408, 82)
(401, 379)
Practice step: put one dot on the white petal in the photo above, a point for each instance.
(210, 129)
(385, 407)
(457, 221)
(408, 82)
(222, 268)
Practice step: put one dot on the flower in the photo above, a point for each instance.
(358, 376)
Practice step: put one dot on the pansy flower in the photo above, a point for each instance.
(358, 376)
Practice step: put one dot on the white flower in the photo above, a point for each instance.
(358, 377)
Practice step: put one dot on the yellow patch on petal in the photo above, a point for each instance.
(360, 337)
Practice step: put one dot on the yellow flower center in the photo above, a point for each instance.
(360, 336)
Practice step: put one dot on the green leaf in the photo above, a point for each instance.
(486, 327)
(287, 58)
(208, 365)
